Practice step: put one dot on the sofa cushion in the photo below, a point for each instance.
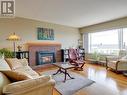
(4, 65)
(3, 81)
(28, 70)
(23, 61)
(16, 76)
(21, 65)
(14, 63)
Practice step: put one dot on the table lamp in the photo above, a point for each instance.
(13, 37)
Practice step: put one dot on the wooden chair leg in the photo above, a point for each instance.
(80, 68)
(82, 65)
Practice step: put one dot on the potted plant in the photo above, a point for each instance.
(7, 53)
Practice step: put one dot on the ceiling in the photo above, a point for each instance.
(75, 13)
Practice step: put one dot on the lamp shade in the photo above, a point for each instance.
(13, 37)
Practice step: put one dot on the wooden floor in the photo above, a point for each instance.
(115, 82)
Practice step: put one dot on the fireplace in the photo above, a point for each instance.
(35, 47)
(45, 57)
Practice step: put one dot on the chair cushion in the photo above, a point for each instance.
(16, 76)
(4, 65)
(80, 61)
(72, 54)
(122, 53)
(14, 63)
(124, 58)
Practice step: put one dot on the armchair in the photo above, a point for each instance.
(75, 59)
(117, 63)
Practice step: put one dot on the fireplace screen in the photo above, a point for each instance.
(45, 57)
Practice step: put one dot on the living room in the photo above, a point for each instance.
(43, 35)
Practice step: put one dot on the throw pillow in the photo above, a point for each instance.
(24, 61)
(16, 76)
(14, 63)
(4, 65)
(28, 70)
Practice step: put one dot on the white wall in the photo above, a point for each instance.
(27, 30)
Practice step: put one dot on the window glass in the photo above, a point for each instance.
(105, 42)
(125, 38)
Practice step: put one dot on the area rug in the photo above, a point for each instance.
(71, 85)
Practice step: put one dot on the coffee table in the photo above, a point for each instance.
(63, 68)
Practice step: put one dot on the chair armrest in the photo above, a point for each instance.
(123, 61)
(121, 65)
(27, 86)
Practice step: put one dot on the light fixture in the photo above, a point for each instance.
(13, 37)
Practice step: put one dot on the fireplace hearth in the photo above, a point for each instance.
(45, 57)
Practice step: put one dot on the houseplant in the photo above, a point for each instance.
(7, 53)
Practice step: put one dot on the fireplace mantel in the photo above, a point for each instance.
(43, 44)
(34, 47)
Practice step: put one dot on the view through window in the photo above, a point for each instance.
(107, 42)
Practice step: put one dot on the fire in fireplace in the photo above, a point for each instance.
(45, 57)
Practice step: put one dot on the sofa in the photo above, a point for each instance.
(31, 84)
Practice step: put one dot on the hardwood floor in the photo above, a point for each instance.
(113, 81)
(116, 82)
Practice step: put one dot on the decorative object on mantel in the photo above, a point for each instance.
(45, 34)
(13, 37)
(19, 48)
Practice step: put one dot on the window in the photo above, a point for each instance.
(106, 42)
(125, 38)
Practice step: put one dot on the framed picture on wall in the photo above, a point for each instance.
(45, 34)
